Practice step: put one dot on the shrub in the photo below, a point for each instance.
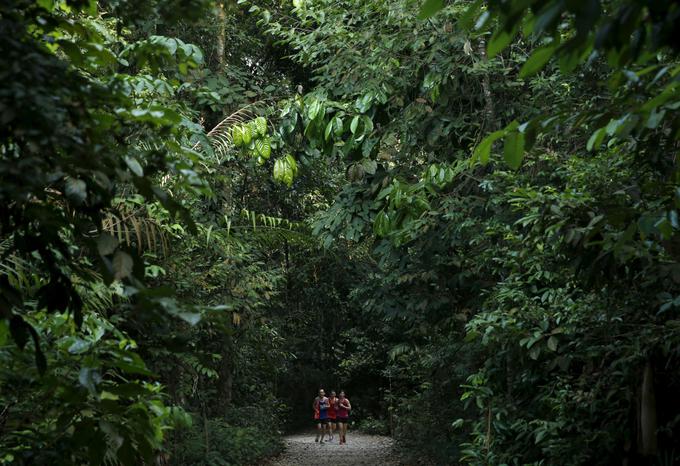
(370, 425)
(226, 444)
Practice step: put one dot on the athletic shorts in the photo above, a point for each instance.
(344, 420)
(321, 421)
(333, 420)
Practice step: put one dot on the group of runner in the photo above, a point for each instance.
(330, 413)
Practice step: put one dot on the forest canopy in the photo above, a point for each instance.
(462, 212)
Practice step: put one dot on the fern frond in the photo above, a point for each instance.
(20, 272)
(136, 229)
(220, 137)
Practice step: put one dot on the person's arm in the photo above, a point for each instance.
(348, 405)
(315, 404)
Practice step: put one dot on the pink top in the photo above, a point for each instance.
(343, 408)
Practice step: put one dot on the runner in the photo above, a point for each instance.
(320, 407)
(342, 413)
(332, 417)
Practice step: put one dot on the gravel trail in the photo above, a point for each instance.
(361, 449)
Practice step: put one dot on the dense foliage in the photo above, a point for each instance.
(463, 213)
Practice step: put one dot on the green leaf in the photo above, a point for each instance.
(655, 117)
(513, 150)
(536, 61)
(134, 166)
(247, 134)
(429, 8)
(285, 170)
(190, 317)
(89, 378)
(595, 139)
(535, 352)
(260, 125)
(292, 164)
(552, 343)
(363, 103)
(278, 170)
(313, 109)
(353, 125)
(466, 20)
(381, 223)
(329, 128)
(369, 166)
(263, 147)
(483, 150)
(338, 125)
(547, 16)
(499, 41)
(237, 135)
(368, 125)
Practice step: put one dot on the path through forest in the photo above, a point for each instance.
(361, 449)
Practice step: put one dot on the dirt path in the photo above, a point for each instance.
(361, 449)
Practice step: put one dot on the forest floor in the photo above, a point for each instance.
(360, 450)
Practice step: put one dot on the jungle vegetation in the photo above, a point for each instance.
(462, 212)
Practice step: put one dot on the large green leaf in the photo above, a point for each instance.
(381, 224)
(354, 124)
(237, 135)
(537, 61)
(285, 170)
(499, 41)
(513, 149)
(247, 134)
(596, 139)
(329, 129)
(263, 147)
(260, 126)
(429, 8)
(483, 151)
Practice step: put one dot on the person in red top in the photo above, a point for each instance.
(342, 415)
(332, 416)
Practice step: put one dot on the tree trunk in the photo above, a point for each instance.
(489, 112)
(226, 374)
(221, 18)
(647, 443)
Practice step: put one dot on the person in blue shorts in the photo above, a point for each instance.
(320, 407)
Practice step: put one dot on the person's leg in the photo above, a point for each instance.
(340, 427)
(323, 430)
(318, 431)
(332, 427)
